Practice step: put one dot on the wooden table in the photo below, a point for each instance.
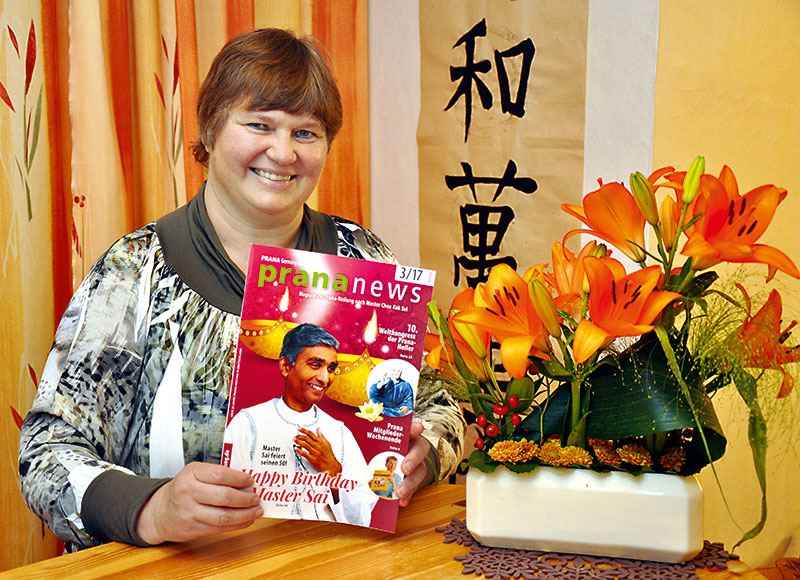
(285, 549)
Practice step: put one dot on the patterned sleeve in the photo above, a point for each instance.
(435, 406)
(441, 416)
(84, 406)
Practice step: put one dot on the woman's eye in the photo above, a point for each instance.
(305, 134)
(258, 126)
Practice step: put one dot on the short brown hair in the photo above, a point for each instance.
(267, 69)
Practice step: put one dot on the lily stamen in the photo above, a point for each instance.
(500, 304)
(510, 297)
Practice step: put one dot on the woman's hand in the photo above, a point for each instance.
(413, 466)
(203, 499)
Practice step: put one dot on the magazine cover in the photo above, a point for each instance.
(323, 384)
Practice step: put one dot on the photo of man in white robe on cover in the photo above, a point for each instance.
(306, 464)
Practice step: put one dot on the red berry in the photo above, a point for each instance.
(513, 401)
(500, 409)
(479, 443)
(492, 430)
(516, 419)
(482, 420)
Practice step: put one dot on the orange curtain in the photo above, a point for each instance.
(344, 187)
(97, 114)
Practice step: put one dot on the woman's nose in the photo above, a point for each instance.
(281, 149)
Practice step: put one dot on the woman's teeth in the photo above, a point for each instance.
(272, 176)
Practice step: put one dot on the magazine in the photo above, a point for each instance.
(323, 383)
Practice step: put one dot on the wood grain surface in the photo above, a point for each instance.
(289, 549)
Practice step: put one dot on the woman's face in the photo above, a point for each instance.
(266, 163)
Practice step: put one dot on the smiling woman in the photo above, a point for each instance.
(124, 439)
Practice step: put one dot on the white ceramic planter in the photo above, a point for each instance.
(647, 517)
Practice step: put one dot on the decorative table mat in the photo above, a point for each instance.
(505, 563)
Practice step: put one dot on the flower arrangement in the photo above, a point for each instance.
(611, 370)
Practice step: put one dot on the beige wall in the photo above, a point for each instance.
(394, 89)
(727, 88)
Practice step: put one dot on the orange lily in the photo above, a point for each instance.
(441, 358)
(620, 304)
(612, 215)
(731, 224)
(760, 342)
(567, 278)
(472, 348)
(503, 308)
(474, 337)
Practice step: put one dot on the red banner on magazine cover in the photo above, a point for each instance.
(323, 384)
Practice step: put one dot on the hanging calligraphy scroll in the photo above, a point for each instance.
(501, 133)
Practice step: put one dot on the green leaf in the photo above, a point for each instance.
(174, 189)
(178, 144)
(19, 169)
(690, 223)
(482, 403)
(24, 181)
(702, 304)
(480, 460)
(436, 317)
(524, 390)
(552, 370)
(548, 419)
(440, 321)
(37, 120)
(28, 198)
(521, 467)
(700, 284)
(578, 434)
(642, 396)
(757, 435)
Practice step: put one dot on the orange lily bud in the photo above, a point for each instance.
(669, 223)
(472, 336)
(599, 251)
(691, 181)
(645, 197)
(545, 306)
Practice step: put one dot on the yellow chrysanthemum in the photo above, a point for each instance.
(673, 459)
(550, 453)
(605, 452)
(553, 454)
(635, 454)
(513, 451)
(572, 455)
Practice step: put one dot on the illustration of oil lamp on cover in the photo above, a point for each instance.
(265, 337)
